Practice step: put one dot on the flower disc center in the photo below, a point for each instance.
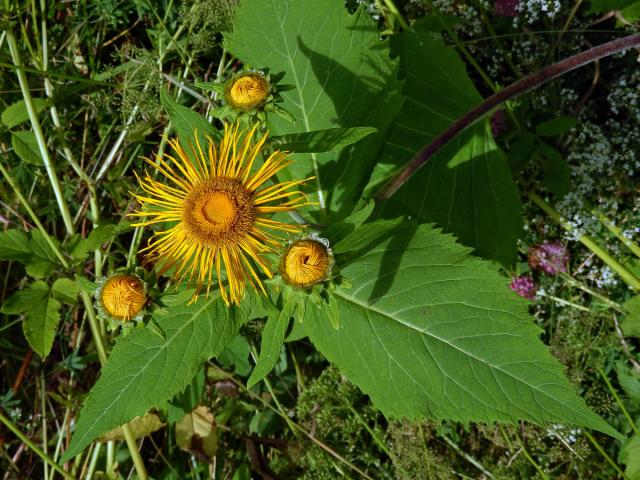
(219, 209)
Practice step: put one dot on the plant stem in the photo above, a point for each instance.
(613, 228)
(45, 437)
(468, 457)
(33, 216)
(629, 278)
(102, 355)
(396, 13)
(617, 399)
(34, 447)
(604, 454)
(512, 91)
(576, 283)
(533, 462)
(564, 302)
(37, 130)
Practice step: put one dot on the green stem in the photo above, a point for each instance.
(564, 302)
(102, 356)
(33, 447)
(396, 13)
(468, 457)
(45, 437)
(604, 454)
(283, 413)
(617, 399)
(37, 130)
(576, 283)
(373, 434)
(629, 278)
(533, 462)
(613, 228)
(33, 216)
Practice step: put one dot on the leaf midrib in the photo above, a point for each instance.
(369, 307)
(307, 125)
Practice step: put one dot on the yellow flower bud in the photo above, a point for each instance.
(306, 262)
(122, 296)
(247, 91)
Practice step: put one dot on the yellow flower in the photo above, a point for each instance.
(247, 90)
(306, 262)
(221, 204)
(122, 297)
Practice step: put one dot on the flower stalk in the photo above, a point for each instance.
(102, 356)
(37, 130)
(512, 91)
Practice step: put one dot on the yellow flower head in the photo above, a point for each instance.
(247, 90)
(306, 262)
(122, 297)
(221, 203)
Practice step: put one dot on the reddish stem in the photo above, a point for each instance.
(514, 90)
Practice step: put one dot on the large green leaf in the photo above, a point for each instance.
(429, 331)
(343, 77)
(145, 369)
(42, 315)
(467, 187)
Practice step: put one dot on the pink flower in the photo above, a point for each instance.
(524, 286)
(506, 8)
(550, 257)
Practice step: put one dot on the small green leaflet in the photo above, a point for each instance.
(16, 113)
(272, 340)
(42, 314)
(33, 251)
(321, 140)
(631, 321)
(14, 245)
(429, 331)
(25, 145)
(66, 290)
(630, 456)
(145, 370)
(186, 122)
(97, 237)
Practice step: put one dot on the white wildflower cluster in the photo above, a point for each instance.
(625, 95)
(470, 23)
(532, 11)
(604, 277)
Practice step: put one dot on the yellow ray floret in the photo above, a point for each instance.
(221, 202)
